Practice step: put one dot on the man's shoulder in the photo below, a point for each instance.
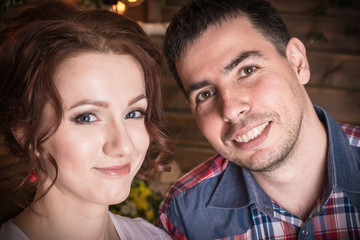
(209, 169)
(187, 193)
(213, 167)
(352, 132)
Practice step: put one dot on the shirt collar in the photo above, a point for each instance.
(231, 191)
(343, 169)
(237, 188)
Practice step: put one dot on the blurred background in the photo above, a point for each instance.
(330, 29)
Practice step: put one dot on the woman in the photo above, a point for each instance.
(79, 100)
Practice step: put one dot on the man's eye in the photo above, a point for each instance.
(246, 71)
(135, 114)
(86, 118)
(202, 96)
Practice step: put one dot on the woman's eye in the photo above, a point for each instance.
(86, 118)
(135, 114)
(205, 95)
(246, 71)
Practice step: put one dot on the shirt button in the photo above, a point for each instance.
(304, 232)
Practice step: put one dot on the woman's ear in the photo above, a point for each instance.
(296, 55)
(19, 133)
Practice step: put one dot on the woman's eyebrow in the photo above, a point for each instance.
(137, 98)
(90, 102)
(105, 104)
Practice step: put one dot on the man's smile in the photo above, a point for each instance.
(252, 134)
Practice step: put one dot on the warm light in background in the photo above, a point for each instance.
(132, 3)
(121, 5)
(119, 8)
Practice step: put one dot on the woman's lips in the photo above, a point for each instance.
(116, 171)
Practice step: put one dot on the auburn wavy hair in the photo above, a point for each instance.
(35, 44)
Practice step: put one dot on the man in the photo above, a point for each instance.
(285, 169)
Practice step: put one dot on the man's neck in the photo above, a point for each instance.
(297, 185)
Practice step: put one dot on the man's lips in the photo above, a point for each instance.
(118, 170)
(252, 138)
(251, 134)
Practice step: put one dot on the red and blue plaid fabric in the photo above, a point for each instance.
(352, 132)
(337, 218)
(212, 167)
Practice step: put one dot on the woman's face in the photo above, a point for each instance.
(102, 140)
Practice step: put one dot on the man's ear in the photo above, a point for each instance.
(296, 55)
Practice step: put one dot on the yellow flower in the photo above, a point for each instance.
(142, 202)
(140, 195)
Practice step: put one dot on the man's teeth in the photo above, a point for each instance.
(253, 133)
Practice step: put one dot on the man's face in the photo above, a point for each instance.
(247, 99)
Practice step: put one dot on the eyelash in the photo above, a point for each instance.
(142, 114)
(78, 120)
(78, 117)
(198, 100)
(242, 74)
(242, 71)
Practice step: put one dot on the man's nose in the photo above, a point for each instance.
(235, 104)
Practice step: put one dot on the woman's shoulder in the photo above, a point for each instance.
(136, 228)
(9, 231)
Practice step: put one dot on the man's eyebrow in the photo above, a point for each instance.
(238, 59)
(195, 86)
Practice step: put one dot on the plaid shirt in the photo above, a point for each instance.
(220, 200)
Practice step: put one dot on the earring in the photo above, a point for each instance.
(33, 177)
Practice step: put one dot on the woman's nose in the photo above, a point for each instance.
(118, 142)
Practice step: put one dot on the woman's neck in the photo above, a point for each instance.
(56, 216)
